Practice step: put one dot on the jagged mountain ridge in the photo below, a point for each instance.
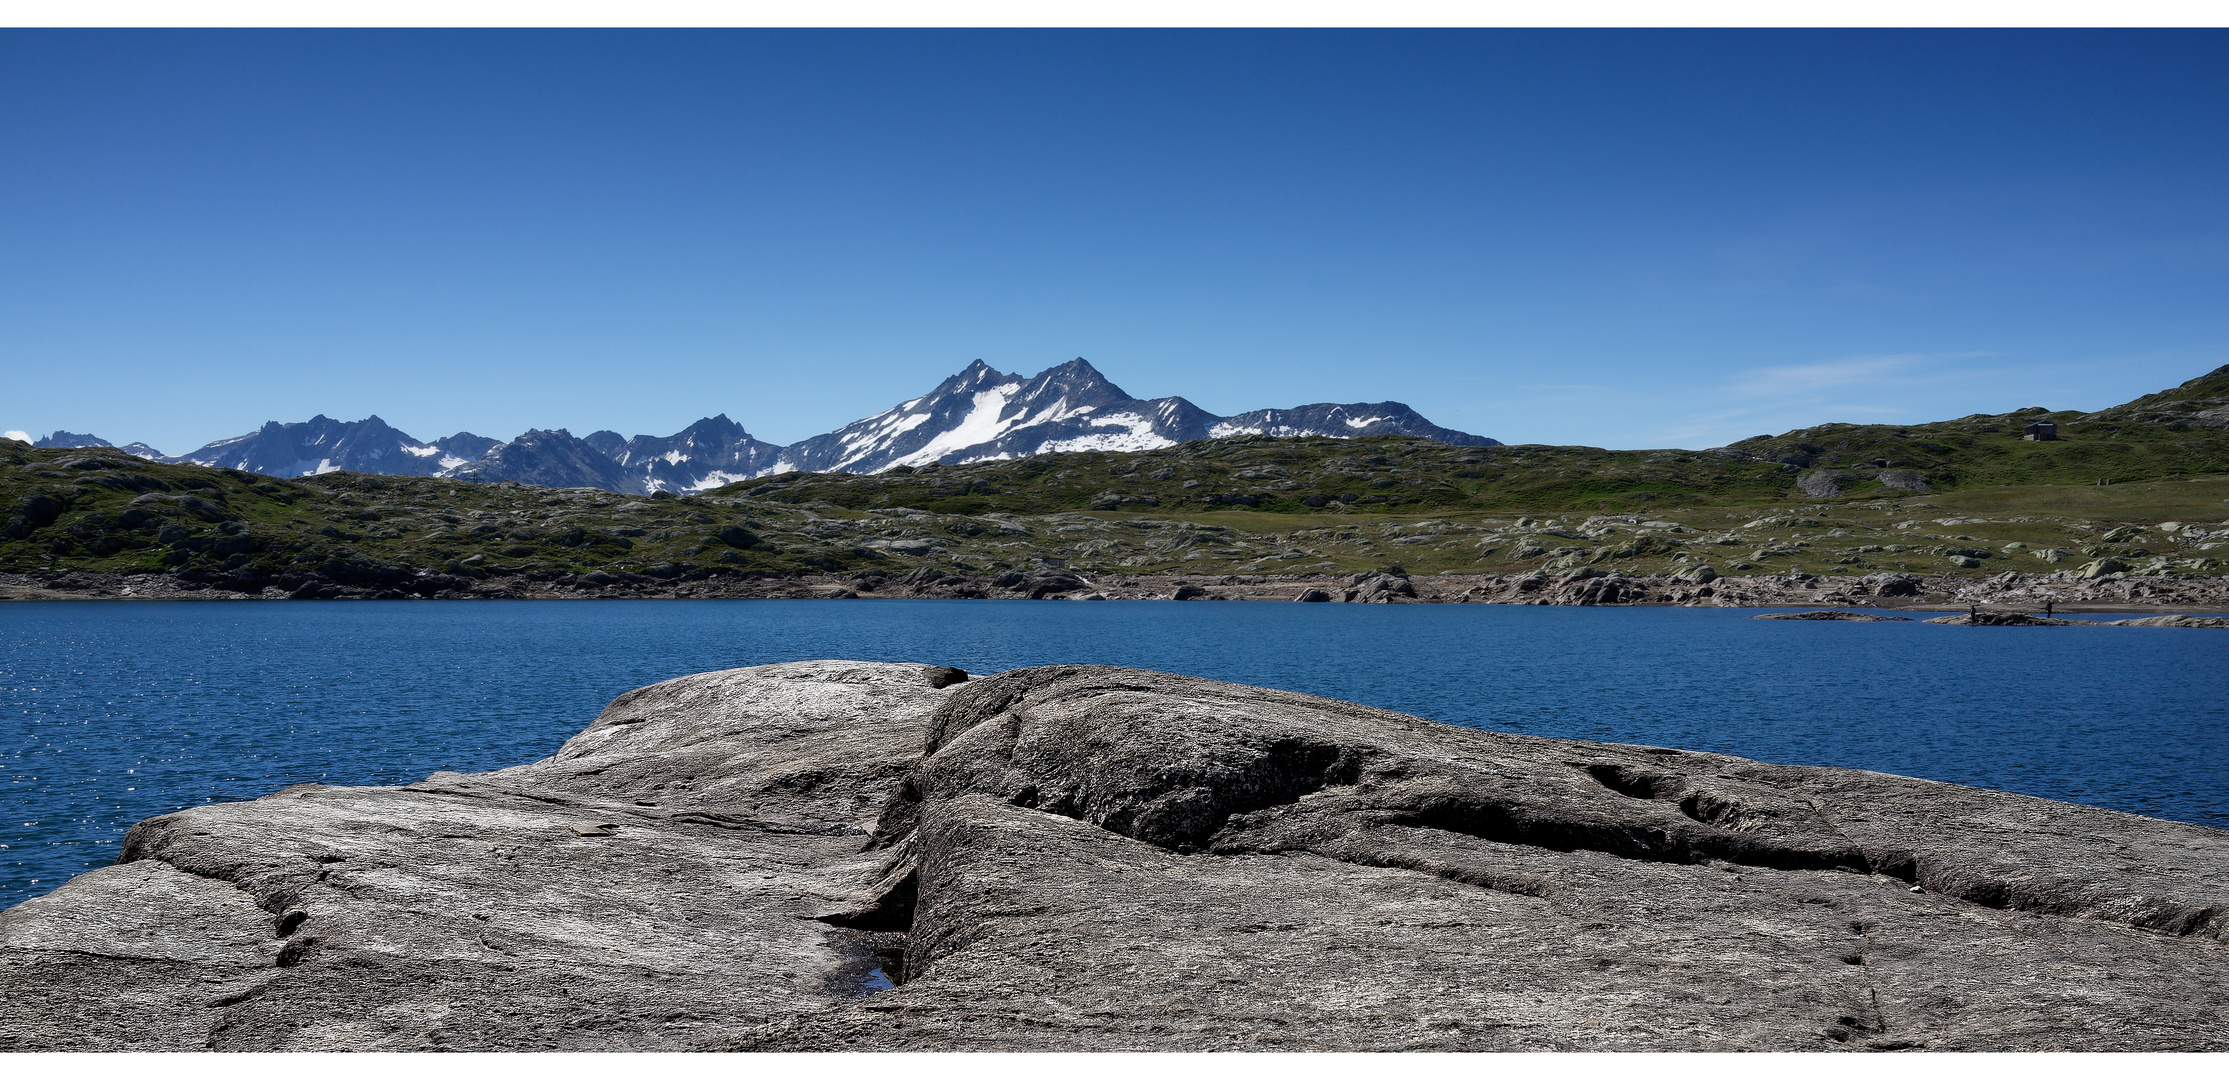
(70, 440)
(706, 454)
(979, 414)
(322, 444)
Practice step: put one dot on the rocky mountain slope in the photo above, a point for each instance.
(850, 856)
(977, 415)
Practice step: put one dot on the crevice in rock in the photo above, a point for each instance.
(1978, 886)
(1476, 877)
(1519, 824)
(298, 949)
(1862, 960)
(1698, 804)
(875, 936)
(869, 962)
(890, 908)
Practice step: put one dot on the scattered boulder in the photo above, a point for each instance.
(1890, 585)
(1313, 596)
(1044, 585)
(1821, 483)
(1380, 588)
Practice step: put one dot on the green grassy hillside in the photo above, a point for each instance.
(1959, 496)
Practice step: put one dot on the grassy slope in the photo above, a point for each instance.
(1248, 505)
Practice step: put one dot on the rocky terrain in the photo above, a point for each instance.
(2012, 598)
(858, 856)
(89, 520)
(100, 511)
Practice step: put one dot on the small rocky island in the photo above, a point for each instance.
(854, 856)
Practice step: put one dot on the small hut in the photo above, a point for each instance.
(2041, 431)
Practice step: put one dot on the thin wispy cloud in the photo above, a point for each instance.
(1881, 389)
(1814, 380)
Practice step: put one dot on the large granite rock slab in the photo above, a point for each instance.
(1097, 858)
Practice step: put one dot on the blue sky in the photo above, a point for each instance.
(1612, 238)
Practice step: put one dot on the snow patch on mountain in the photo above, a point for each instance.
(983, 423)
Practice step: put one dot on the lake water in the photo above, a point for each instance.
(119, 711)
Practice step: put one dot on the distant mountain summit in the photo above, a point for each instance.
(70, 440)
(979, 414)
(322, 445)
(547, 459)
(983, 415)
(706, 454)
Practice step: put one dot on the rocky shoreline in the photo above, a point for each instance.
(1583, 587)
(852, 856)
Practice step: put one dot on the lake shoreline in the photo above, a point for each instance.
(1579, 589)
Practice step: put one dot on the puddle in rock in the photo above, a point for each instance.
(869, 962)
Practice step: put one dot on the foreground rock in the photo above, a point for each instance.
(1077, 858)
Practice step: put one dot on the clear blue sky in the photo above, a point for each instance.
(1625, 239)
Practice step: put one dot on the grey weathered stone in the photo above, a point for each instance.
(1077, 858)
(2010, 618)
(1821, 483)
(2190, 622)
(1379, 588)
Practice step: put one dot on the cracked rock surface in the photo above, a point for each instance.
(1086, 858)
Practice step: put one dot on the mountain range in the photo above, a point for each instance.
(979, 414)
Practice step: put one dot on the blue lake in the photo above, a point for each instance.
(119, 711)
